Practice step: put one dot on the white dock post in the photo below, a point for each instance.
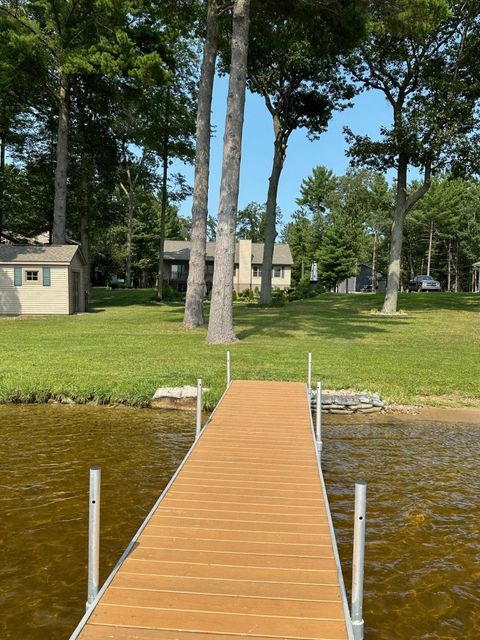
(358, 560)
(93, 535)
(309, 379)
(318, 423)
(228, 369)
(198, 429)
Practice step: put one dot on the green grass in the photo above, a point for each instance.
(127, 347)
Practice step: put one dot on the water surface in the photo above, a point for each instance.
(423, 524)
(423, 547)
(44, 467)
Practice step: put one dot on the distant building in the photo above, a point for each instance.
(248, 265)
(363, 281)
(41, 279)
(476, 277)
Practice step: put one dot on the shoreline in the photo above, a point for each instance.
(395, 412)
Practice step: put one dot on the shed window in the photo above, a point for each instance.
(278, 272)
(32, 276)
(256, 271)
(46, 279)
(17, 276)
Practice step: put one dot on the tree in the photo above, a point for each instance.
(220, 325)
(413, 55)
(336, 257)
(293, 64)
(196, 271)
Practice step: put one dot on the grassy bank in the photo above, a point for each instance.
(127, 347)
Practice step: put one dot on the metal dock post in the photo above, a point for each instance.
(228, 369)
(198, 429)
(309, 376)
(318, 416)
(358, 560)
(93, 535)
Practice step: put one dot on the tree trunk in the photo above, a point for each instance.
(59, 233)
(393, 280)
(457, 279)
(164, 203)
(449, 265)
(271, 212)
(430, 243)
(128, 265)
(374, 263)
(84, 217)
(196, 270)
(2, 180)
(403, 205)
(220, 325)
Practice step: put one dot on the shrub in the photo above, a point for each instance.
(170, 294)
(234, 295)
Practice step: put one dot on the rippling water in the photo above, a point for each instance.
(423, 548)
(423, 525)
(44, 466)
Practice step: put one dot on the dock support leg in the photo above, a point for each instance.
(198, 429)
(228, 369)
(309, 375)
(318, 415)
(358, 560)
(93, 535)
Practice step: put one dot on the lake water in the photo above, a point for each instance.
(423, 547)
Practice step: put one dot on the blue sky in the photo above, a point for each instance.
(368, 114)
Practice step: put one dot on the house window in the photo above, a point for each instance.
(256, 271)
(178, 272)
(209, 269)
(278, 272)
(32, 276)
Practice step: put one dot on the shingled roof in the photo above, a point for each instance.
(179, 250)
(38, 254)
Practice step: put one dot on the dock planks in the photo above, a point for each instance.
(241, 543)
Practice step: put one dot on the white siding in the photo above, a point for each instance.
(34, 298)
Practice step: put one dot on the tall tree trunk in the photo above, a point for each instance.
(404, 204)
(128, 265)
(430, 243)
(59, 233)
(220, 325)
(2, 180)
(84, 217)
(457, 276)
(198, 241)
(393, 280)
(280, 146)
(374, 263)
(164, 203)
(449, 265)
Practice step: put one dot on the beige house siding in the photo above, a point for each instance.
(32, 298)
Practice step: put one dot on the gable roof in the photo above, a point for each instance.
(180, 250)
(39, 254)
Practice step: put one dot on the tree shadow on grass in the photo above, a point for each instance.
(337, 319)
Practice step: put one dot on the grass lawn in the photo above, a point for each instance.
(127, 347)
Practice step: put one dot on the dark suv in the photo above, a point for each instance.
(423, 283)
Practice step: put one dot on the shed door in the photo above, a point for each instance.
(76, 291)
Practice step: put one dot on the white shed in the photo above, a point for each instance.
(41, 279)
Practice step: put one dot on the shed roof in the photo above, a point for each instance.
(38, 254)
(180, 250)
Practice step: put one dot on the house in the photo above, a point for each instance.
(41, 279)
(247, 267)
(362, 281)
(476, 277)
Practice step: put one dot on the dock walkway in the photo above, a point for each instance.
(241, 541)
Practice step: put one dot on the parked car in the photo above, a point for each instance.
(423, 283)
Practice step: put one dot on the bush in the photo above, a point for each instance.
(170, 294)
(304, 290)
(234, 295)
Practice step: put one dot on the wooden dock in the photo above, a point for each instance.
(241, 542)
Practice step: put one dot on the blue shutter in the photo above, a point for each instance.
(46, 277)
(17, 276)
